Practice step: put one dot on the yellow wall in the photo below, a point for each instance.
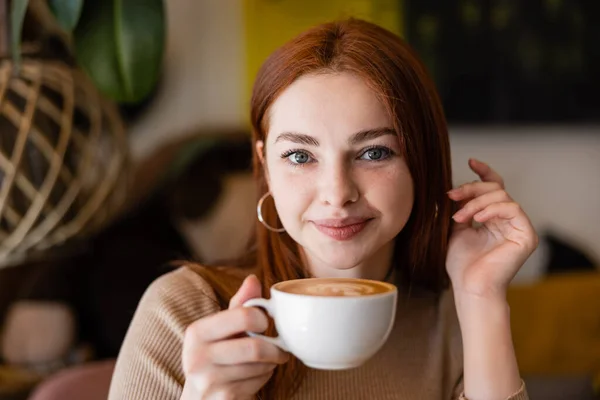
(270, 23)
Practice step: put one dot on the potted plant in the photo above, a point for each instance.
(119, 44)
(63, 152)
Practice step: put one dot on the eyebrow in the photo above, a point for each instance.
(358, 137)
(370, 134)
(299, 138)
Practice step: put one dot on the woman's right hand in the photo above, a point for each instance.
(220, 361)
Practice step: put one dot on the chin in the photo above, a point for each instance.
(340, 256)
(340, 259)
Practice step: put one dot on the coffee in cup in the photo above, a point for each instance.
(344, 287)
(330, 323)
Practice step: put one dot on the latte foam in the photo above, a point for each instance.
(334, 287)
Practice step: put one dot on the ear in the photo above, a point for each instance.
(260, 148)
(260, 151)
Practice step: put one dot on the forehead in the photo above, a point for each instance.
(336, 103)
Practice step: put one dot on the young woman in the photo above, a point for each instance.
(352, 164)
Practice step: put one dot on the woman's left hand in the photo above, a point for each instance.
(483, 260)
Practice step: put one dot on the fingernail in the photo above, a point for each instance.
(249, 277)
(453, 191)
(457, 214)
(252, 276)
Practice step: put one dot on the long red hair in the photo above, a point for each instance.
(401, 82)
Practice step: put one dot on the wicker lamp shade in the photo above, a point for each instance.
(63, 158)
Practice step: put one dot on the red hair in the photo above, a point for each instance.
(393, 71)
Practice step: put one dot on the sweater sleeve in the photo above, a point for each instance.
(149, 363)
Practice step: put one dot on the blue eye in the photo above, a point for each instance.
(376, 154)
(297, 157)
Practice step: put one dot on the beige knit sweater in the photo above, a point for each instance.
(422, 359)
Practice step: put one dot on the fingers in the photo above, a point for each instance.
(227, 323)
(473, 189)
(504, 210)
(245, 389)
(466, 213)
(485, 172)
(216, 378)
(220, 366)
(250, 289)
(245, 350)
(233, 321)
(465, 194)
(523, 231)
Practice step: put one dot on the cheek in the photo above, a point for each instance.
(391, 192)
(291, 191)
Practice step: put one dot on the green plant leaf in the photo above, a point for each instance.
(66, 12)
(95, 49)
(18, 9)
(120, 43)
(140, 33)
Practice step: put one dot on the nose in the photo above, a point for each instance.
(337, 186)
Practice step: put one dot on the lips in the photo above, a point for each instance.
(342, 229)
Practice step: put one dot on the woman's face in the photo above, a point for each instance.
(341, 188)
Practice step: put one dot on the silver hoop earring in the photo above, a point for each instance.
(436, 211)
(260, 216)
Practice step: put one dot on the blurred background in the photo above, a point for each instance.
(114, 164)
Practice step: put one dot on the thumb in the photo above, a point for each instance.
(250, 289)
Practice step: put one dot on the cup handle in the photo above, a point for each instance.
(266, 304)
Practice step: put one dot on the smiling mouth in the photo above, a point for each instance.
(342, 229)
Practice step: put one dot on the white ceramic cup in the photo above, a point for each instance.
(330, 332)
